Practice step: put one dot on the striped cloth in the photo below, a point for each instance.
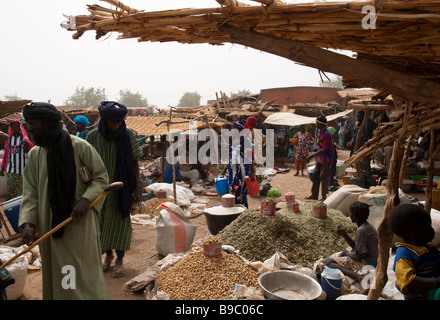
(16, 156)
(115, 231)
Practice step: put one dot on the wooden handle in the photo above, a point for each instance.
(111, 187)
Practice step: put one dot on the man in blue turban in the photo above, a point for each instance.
(81, 123)
(120, 152)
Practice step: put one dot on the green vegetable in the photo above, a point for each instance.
(319, 204)
(273, 193)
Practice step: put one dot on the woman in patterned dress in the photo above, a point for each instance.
(304, 144)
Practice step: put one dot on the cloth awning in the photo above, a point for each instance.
(294, 120)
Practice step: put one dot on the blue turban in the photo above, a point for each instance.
(113, 111)
(83, 120)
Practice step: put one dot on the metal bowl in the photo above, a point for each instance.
(289, 285)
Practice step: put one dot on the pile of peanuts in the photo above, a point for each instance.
(211, 240)
(197, 277)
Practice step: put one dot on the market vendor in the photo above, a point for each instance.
(360, 252)
(324, 158)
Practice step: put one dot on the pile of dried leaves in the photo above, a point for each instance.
(302, 238)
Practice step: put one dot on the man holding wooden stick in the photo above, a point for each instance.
(54, 190)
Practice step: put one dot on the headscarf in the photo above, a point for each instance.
(61, 169)
(251, 123)
(113, 111)
(83, 120)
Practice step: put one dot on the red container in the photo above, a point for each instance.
(212, 250)
(320, 213)
(293, 206)
(290, 197)
(267, 209)
(228, 201)
(253, 186)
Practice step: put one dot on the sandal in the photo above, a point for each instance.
(107, 262)
(118, 271)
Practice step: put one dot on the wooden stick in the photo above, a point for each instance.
(385, 234)
(111, 187)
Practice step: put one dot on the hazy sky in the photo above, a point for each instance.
(41, 61)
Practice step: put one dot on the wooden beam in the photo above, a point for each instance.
(371, 75)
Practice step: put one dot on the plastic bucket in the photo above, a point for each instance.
(310, 169)
(331, 283)
(221, 184)
(11, 208)
(253, 186)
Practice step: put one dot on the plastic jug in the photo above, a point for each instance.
(331, 283)
(253, 186)
(221, 184)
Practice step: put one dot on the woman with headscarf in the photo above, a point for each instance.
(53, 190)
(257, 140)
(239, 167)
(81, 124)
(120, 152)
(14, 159)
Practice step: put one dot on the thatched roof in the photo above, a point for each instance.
(10, 107)
(406, 37)
(148, 125)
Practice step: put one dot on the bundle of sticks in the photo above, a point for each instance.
(421, 118)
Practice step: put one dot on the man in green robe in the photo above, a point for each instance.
(120, 151)
(52, 191)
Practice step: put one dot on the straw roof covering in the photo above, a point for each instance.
(406, 37)
(10, 107)
(147, 125)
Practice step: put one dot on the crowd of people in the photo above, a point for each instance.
(59, 174)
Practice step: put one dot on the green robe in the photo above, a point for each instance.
(72, 263)
(115, 231)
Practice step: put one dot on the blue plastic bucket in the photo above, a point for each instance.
(331, 283)
(11, 208)
(221, 184)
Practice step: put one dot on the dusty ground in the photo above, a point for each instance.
(143, 251)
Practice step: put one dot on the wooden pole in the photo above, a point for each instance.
(368, 74)
(385, 235)
(430, 172)
(357, 145)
